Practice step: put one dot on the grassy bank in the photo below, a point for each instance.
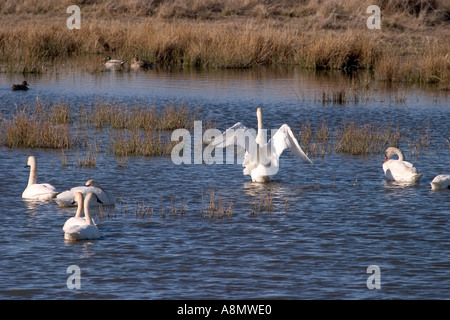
(410, 46)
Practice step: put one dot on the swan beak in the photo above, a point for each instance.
(26, 166)
(99, 201)
(385, 159)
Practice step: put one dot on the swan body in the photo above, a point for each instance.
(399, 170)
(79, 228)
(137, 64)
(65, 199)
(34, 190)
(261, 159)
(440, 182)
(113, 64)
(20, 87)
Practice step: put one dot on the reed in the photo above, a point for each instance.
(264, 203)
(90, 156)
(137, 143)
(356, 139)
(143, 209)
(350, 138)
(180, 209)
(233, 34)
(30, 129)
(213, 207)
(147, 118)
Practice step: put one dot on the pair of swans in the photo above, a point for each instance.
(403, 171)
(65, 199)
(79, 228)
(46, 191)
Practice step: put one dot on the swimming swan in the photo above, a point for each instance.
(440, 182)
(79, 228)
(37, 191)
(399, 170)
(261, 159)
(65, 199)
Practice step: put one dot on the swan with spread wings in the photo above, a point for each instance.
(261, 159)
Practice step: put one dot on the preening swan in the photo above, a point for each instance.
(399, 170)
(440, 182)
(34, 190)
(261, 159)
(79, 228)
(65, 199)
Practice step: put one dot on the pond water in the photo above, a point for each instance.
(327, 224)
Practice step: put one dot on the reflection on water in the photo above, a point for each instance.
(310, 234)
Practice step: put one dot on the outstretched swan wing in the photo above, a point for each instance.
(284, 139)
(239, 134)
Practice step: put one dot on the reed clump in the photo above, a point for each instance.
(366, 139)
(90, 155)
(33, 129)
(350, 138)
(264, 203)
(119, 116)
(213, 207)
(138, 143)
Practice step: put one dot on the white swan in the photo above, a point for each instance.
(399, 170)
(261, 159)
(65, 198)
(440, 182)
(37, 191)
(79, 228)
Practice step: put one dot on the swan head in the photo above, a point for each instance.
(390, 151)
(78, 198)
(31, 162)
(92, 183)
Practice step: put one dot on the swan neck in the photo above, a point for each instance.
(400, 155)
(33, 174)
(87, 216)
(259, 116)
(79, 208)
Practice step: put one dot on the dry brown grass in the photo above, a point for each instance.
(137, 143)
(233, 34)
(350, 138)
(122, 116)
(35, 128)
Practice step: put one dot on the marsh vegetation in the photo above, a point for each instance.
(233, 34)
